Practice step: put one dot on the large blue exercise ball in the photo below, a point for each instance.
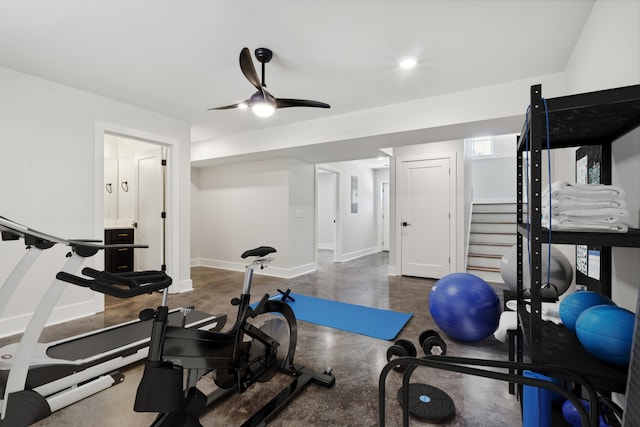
(465, 307)
(606, 332)
(560, 276)
(572, 306)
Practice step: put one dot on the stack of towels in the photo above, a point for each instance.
(584, 207)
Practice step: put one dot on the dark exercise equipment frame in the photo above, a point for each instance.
(37, 379)
(466, 366)
(227, 356)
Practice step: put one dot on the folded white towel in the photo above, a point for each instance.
(569, 224)
(586, 216)
(569, 203)
(563, 188)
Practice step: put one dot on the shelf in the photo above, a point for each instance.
(588, 119)
(591, 118)
(561, 347)
(631, 239)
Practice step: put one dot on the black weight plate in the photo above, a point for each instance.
(408, 346)
(429, 403)
(427, 334)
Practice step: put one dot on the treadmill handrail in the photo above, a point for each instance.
(123, 285)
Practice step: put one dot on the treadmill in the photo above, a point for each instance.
(37, 379)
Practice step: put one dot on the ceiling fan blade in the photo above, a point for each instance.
(286, 102)
(229, 107)
(249, 71)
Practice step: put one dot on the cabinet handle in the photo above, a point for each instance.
(122, 267)
(123, 249)
(123, 234)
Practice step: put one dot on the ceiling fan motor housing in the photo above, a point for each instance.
(263, 54)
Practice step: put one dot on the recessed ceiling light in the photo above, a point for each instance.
(408, 62)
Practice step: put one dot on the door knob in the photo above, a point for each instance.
(405, 223)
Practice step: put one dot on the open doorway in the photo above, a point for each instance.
(328, 208)
(134, 203)
(142, 142)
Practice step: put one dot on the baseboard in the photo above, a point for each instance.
(358, 254)
(17, 324)
(285, 273)
(328, 246)
(392, 271)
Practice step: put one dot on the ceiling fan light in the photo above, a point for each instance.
(407, 63)
(243, 105)
(262, 109)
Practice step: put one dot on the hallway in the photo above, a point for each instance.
(356, 360)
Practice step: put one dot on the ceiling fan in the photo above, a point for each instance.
(262, 103)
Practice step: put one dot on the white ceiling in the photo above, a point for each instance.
(180, 57)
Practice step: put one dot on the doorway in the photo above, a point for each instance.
(134, 196)
(328, 248)
(172, 221)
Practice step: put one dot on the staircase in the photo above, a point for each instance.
(493, 232)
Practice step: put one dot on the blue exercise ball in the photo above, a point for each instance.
(465, 307)
(572, 306)
(606, 332)
(572, 416)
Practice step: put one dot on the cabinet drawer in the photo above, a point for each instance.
(118, 235)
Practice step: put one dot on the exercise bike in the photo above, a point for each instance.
(236, 359)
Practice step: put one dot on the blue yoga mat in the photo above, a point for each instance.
(358, 319)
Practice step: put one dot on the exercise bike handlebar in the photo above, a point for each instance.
(121, 285)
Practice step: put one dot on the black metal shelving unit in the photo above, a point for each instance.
(595, 118)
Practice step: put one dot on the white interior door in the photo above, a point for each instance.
(385, 216)
(426, 201)
(149, 210)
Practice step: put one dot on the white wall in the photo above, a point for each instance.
(50, 181)
(302, 216)
(607, 55)
(245, 205)
(494, 177)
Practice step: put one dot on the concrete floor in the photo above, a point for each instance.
(356, 360)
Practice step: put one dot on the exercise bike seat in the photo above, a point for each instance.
(258, 252)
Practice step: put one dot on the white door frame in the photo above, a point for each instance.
(397, 228)
(383, 218)
(337, 252)
(173, 172)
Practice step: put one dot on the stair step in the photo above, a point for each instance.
(489, 238)
(506, 217)
(493, 227)
(494, 208)
(484, 262)
(488, 275)
(491, 269)
(485, 255)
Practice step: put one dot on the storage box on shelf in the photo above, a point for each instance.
(595, 118)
